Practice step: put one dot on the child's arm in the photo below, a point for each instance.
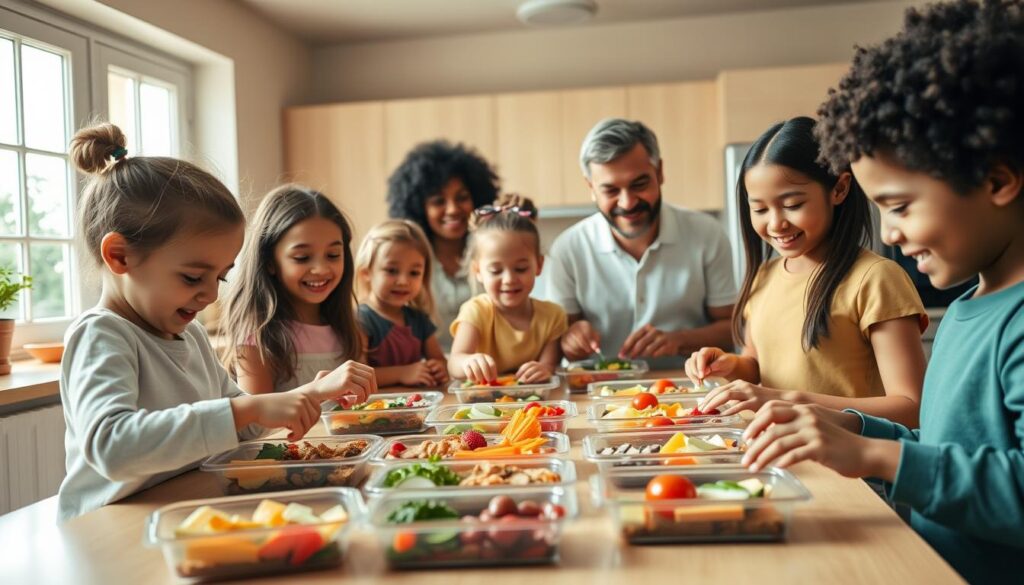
(464, 363)
(254, 375)
(543, 368)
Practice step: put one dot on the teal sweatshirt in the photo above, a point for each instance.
(962, 472)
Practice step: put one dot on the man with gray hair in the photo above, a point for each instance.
(640, 278)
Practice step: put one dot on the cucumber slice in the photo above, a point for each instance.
(754, 486)
(441, 537)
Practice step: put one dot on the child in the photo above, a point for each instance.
(932, 123)
(391, 266)
(291, 311)
(828, 321)
(504, 330)
(144, 397)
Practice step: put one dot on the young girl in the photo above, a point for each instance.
(143, 394)
(291, 311)
(391, 266)
(947, 177)
(828, 321)
(504, 330)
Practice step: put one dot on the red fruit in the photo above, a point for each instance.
(645, 400)
(297, 543)
(659, 421)
(669, 487)
(414, 398)
(698, 412)
(662, 386)
(559, 410)
(529, 508)
(552, 511)
(530, 405)
(472, 440)
(501, 506)
(396, 449)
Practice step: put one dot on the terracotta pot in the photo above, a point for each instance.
(6, 334)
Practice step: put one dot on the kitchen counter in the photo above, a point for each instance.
(30, 384)
(846, 534)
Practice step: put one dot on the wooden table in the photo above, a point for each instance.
(846, 534)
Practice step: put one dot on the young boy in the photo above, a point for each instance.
(932, 124)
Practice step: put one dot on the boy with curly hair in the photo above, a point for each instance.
(931, 122)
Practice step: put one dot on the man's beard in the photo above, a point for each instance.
(653, 212)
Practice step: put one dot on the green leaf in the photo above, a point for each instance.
(438, 474)
(272, 451)
(410, 512)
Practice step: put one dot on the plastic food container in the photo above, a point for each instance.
(385, 421)
(523, 392)
(509, 540)
(579, 374)
(255, 551)
(239, 472)
(534, 467)
(684, 387)
(453, 418)
(613, 423)
(626, 445)
(698, 519)
(558, 444)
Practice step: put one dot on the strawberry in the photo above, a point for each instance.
(413, 398)
(396, 449)
(473, 440)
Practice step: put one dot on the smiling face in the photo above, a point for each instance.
(951, 236)
(396, 275)
(309, 261)
(165, 289)
(506, 264)
(627, 191)
(791, 212)
(448, 211)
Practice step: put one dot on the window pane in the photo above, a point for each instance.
(46, 180)
(10, 208)
(10, 257)
(156, 104)
(49, 272)
(42, 79)
(121, 105)
(8, 111)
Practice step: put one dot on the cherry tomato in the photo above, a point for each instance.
(669, 487)
(659, 421)
(645, 400)
(662, 386)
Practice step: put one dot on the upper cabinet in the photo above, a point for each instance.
(469, 120)
(339, 150)
(581, 110)
(754, 99)
(530, 146)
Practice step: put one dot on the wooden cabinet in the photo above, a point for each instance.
(457, 119)
(684, 116)
(530, 145)
(581, 110)
(339, 149)
(754, 99)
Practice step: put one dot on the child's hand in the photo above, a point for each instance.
(295, 411)
(709, 361)
(533, 373)
(783, 434)
(439, 370)
(580, 341)
(349, 379)
(480, 367)
(417, 374)
(749, 397)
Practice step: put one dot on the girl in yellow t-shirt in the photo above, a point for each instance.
(826, 321)
(504, 330)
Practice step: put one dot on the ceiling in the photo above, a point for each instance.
(322, 22)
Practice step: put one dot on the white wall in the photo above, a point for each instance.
(643, 52)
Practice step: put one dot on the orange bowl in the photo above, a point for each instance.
(48, 353)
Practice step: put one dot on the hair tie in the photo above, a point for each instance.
(119, 153)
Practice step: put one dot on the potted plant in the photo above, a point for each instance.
(10, 286)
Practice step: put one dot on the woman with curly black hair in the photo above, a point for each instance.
(931, 123)
(438, 186)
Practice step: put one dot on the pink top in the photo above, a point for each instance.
(316, 348)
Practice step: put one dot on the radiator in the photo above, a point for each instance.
(31, 456)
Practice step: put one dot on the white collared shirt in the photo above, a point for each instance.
(687, 269)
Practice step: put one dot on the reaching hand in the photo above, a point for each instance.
(417, 374)
(349, 379)
(648, 341)
(439, 370)
(533, 373)
(709, 361)
(748, 396)
(296, 411)
(480, 368)
(580, 341)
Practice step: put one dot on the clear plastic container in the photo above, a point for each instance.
(448, 420)
(538, 469)
(239, 472)
(519, 392)
(255, 551)
(558, 444)
(767, 518)
(613, 423)
(624, 446)
(385, 421)
(472, 542)
(683, 387)
(579, 374)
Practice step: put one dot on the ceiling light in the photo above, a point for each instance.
(556, 12)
